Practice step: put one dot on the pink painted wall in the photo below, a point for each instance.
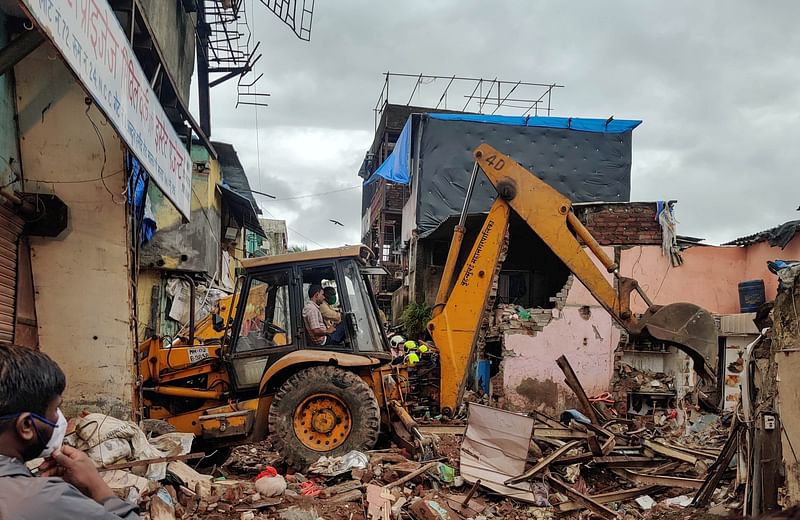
(708, 276)
(531, 377)
(579, 294)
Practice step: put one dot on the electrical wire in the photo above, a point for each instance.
(309, 195)
(203, 211)
(80, 181)
(294, 230)
(105, 156)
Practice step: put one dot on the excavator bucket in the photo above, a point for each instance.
(691, 329)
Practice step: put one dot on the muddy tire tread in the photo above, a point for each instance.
(365, 413)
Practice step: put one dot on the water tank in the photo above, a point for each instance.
(751, 295)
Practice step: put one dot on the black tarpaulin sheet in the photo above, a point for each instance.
(584, 166)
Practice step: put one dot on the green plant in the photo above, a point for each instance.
(415, 319)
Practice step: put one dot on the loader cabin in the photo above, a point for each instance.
(274, 291)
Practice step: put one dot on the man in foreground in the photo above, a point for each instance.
(32, 426)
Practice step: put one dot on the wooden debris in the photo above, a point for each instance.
(147, 462)
(427, 467)
(344, 487)
(667, 451)
(707, 488)
(607, 498)
(587, 502)
(575, 385)
(660, 480)
(379, 502)
(354, 495)
(542, 464)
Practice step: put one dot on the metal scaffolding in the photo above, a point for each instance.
(227, 48)
(465, 94)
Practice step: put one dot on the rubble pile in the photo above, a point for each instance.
(522, 320)
(499, 465)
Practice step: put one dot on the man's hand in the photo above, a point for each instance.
(75, 467)
(330, 330)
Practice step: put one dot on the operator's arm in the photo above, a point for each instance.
(328, 313)
(315, 324)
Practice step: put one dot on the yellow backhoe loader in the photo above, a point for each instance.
(251, 369)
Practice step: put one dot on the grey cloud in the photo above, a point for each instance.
(715, 83)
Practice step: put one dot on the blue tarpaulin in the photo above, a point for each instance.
(608, 126)
(396, 167)
(137, 197)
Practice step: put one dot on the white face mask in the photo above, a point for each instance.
(57, 438)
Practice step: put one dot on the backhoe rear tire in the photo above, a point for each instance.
(320, 411)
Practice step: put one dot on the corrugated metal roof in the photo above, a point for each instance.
(777, 236)
(738, 324)
(233, 173)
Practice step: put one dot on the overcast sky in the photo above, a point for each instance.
(717, 84)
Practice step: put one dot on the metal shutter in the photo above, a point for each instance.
(10, 231)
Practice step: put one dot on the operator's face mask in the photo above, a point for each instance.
(56, 437)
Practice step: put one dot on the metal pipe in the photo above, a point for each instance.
(455, 249)
(468, 197)
(179, 391)
(591, 243)
(644, 296)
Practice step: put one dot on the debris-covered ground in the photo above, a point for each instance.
(498, 465)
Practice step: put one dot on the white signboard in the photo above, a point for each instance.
(91, 40)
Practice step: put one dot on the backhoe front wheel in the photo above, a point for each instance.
(323, 411)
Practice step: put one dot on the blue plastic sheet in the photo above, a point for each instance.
(395, 167)
(137, 197)
(607, 126)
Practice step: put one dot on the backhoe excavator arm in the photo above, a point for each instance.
(459, 311)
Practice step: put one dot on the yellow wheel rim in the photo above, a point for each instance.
(322, 422)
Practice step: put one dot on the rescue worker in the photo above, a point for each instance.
(32, 426)
(412, 355)
(396, 345)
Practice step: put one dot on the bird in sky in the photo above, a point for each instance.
(336, 222)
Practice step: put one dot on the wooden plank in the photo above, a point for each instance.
(667, 451)
(585, 501)
(708, 453)
(580, 458)
(442, 429)
(413, 474)
(147, 462)
(624, 461)
(558, 433)
(546, 419)
(594, 444)
(645, 479)
(607, 498)
(706, 490)
(542, 464)
(574, 383)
